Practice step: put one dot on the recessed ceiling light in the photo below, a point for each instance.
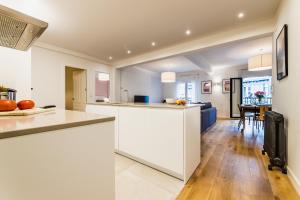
(128, 52)
(153, 44)
(241, 15)
(110, 57)
(188, 32)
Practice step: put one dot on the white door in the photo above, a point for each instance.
(79, 90)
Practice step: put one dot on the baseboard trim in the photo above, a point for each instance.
(156, 167)
(222, 118)
(295, 182)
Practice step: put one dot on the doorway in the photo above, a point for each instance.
(75, 88)
(235, 97)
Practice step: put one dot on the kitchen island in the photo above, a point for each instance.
(163, 136)
(57, 155)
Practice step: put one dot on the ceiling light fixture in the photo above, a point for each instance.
(110, 57)
(128, 52)
(260, 62)
(241, 15)
(153, 44)
(188, 32)
(168, 77)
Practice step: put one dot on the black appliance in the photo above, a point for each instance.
(275, 140)
(141, 99)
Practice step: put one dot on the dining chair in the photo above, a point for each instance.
(241, 116)
(244, 116)
(260, 118)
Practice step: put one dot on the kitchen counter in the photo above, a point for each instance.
(150, 105)
(163, 136)
(59, 154)
(13, 126)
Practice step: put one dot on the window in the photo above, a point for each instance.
(186, 91)
(101, 85)
(180, 91)
(254, 84)
(191, 92)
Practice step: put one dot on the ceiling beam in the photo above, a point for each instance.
(200, 61)
(225, 36)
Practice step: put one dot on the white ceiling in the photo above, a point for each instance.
(175, 64)
(233, 54)
(103, 28)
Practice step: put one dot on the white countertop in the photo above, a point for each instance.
(151, 105)
(13, 126)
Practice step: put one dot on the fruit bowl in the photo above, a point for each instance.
(170, 101)
(181, 102)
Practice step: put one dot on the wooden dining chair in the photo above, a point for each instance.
(241, 116)
(260, 118)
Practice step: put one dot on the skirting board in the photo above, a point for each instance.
(223, 118)
(158, 168)
(294, 180)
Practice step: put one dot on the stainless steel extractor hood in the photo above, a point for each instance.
(17, 30)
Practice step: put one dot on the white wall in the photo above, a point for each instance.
(48, 75)
(141, 82)
(15, 71)
(220, 100)
(286, 92)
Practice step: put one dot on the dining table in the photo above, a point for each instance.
(251, 108)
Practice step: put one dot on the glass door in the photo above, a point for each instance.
(235, 96)
(186, 91)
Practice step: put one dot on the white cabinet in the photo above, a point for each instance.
(192, 141)
(67, 164)
(109, 111)
(154, 135)
(132, 129)
(164, 138)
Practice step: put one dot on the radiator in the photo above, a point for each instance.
(275, 141)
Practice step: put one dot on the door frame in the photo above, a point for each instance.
(109, 84)
(86, 82)
(231, 89)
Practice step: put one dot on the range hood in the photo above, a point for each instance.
(17, 30)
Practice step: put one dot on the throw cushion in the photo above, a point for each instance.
(206, 105)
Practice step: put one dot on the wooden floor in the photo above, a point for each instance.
(232, 167)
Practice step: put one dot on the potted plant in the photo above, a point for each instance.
(3, 92)
(259, 95)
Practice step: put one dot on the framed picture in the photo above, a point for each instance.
(206, 87)
(226, 85)
(282, 53)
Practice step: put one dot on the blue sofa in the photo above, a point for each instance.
(208, 116)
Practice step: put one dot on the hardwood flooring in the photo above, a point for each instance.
(233, 168)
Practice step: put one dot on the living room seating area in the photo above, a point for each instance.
(208, 116)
